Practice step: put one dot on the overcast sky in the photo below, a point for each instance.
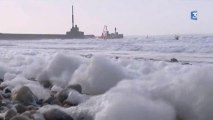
(131, 17)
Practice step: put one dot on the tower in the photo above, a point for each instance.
(73, 25)
(74, 32)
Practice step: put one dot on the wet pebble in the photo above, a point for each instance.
(20, 108)
(76, 87)
(20, 117)
(24, 96)
(173, 60)
(56, 114)
(9, 114)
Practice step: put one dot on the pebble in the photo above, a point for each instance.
(24, 96)
(19, 117)
(56, 114)
(9, 114)
(22, 104)
(173, 60)
(76, 87)
(20, 108)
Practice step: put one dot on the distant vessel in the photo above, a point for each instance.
(74, 33)
(107, 35)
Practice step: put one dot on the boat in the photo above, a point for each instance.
(107, 35)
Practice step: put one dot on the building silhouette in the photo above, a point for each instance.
(74, 33)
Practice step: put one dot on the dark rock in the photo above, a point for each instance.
(2, 87)
(7, 90)
(84, 116)
(38, 116)
(56, 114)
(24, 96)
(40, 102)
(49, 100)
(173, 60)
(32, 79)
(52, 101)
(28, 114)
(20, 117)
(31, 107)
(177, 37)
(178, 117)
(1, 97)
(20, 108)
(68, 104)
(7, 103)
(1, 118)
(46, 83)
(56, 102)
(9, 114)
(185, 63)
(76, 87)
(1, 80)
(3, 109)
(63, 95)
(53, 93)
(88, 56)
(7, 95)
(116, 57)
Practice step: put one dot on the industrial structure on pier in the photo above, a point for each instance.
(74, 33)
(107, 35)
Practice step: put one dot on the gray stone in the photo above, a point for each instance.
(173, 60)
(6, 103)
(45, 83)
(178, 117)
(1, 80)
(7, 95)
(2, 87)
(63, 95)
(1, 97)
(177, 37)
(20, 117)
(24, 96)
(56, 102)
(49, 100)
(20, 108)
(3, 109)
(56, 114)
(32, 107)
(38, 116)
(76, 87)
(67, 104)
(7, 90)
(28, 114)
(9, 114)
(84, 116)
(40, 102)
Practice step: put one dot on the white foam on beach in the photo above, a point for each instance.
(127, 80)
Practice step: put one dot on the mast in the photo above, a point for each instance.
(72, 17)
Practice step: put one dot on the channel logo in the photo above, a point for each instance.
(194, 15)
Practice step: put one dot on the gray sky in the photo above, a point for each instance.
(131, 17)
